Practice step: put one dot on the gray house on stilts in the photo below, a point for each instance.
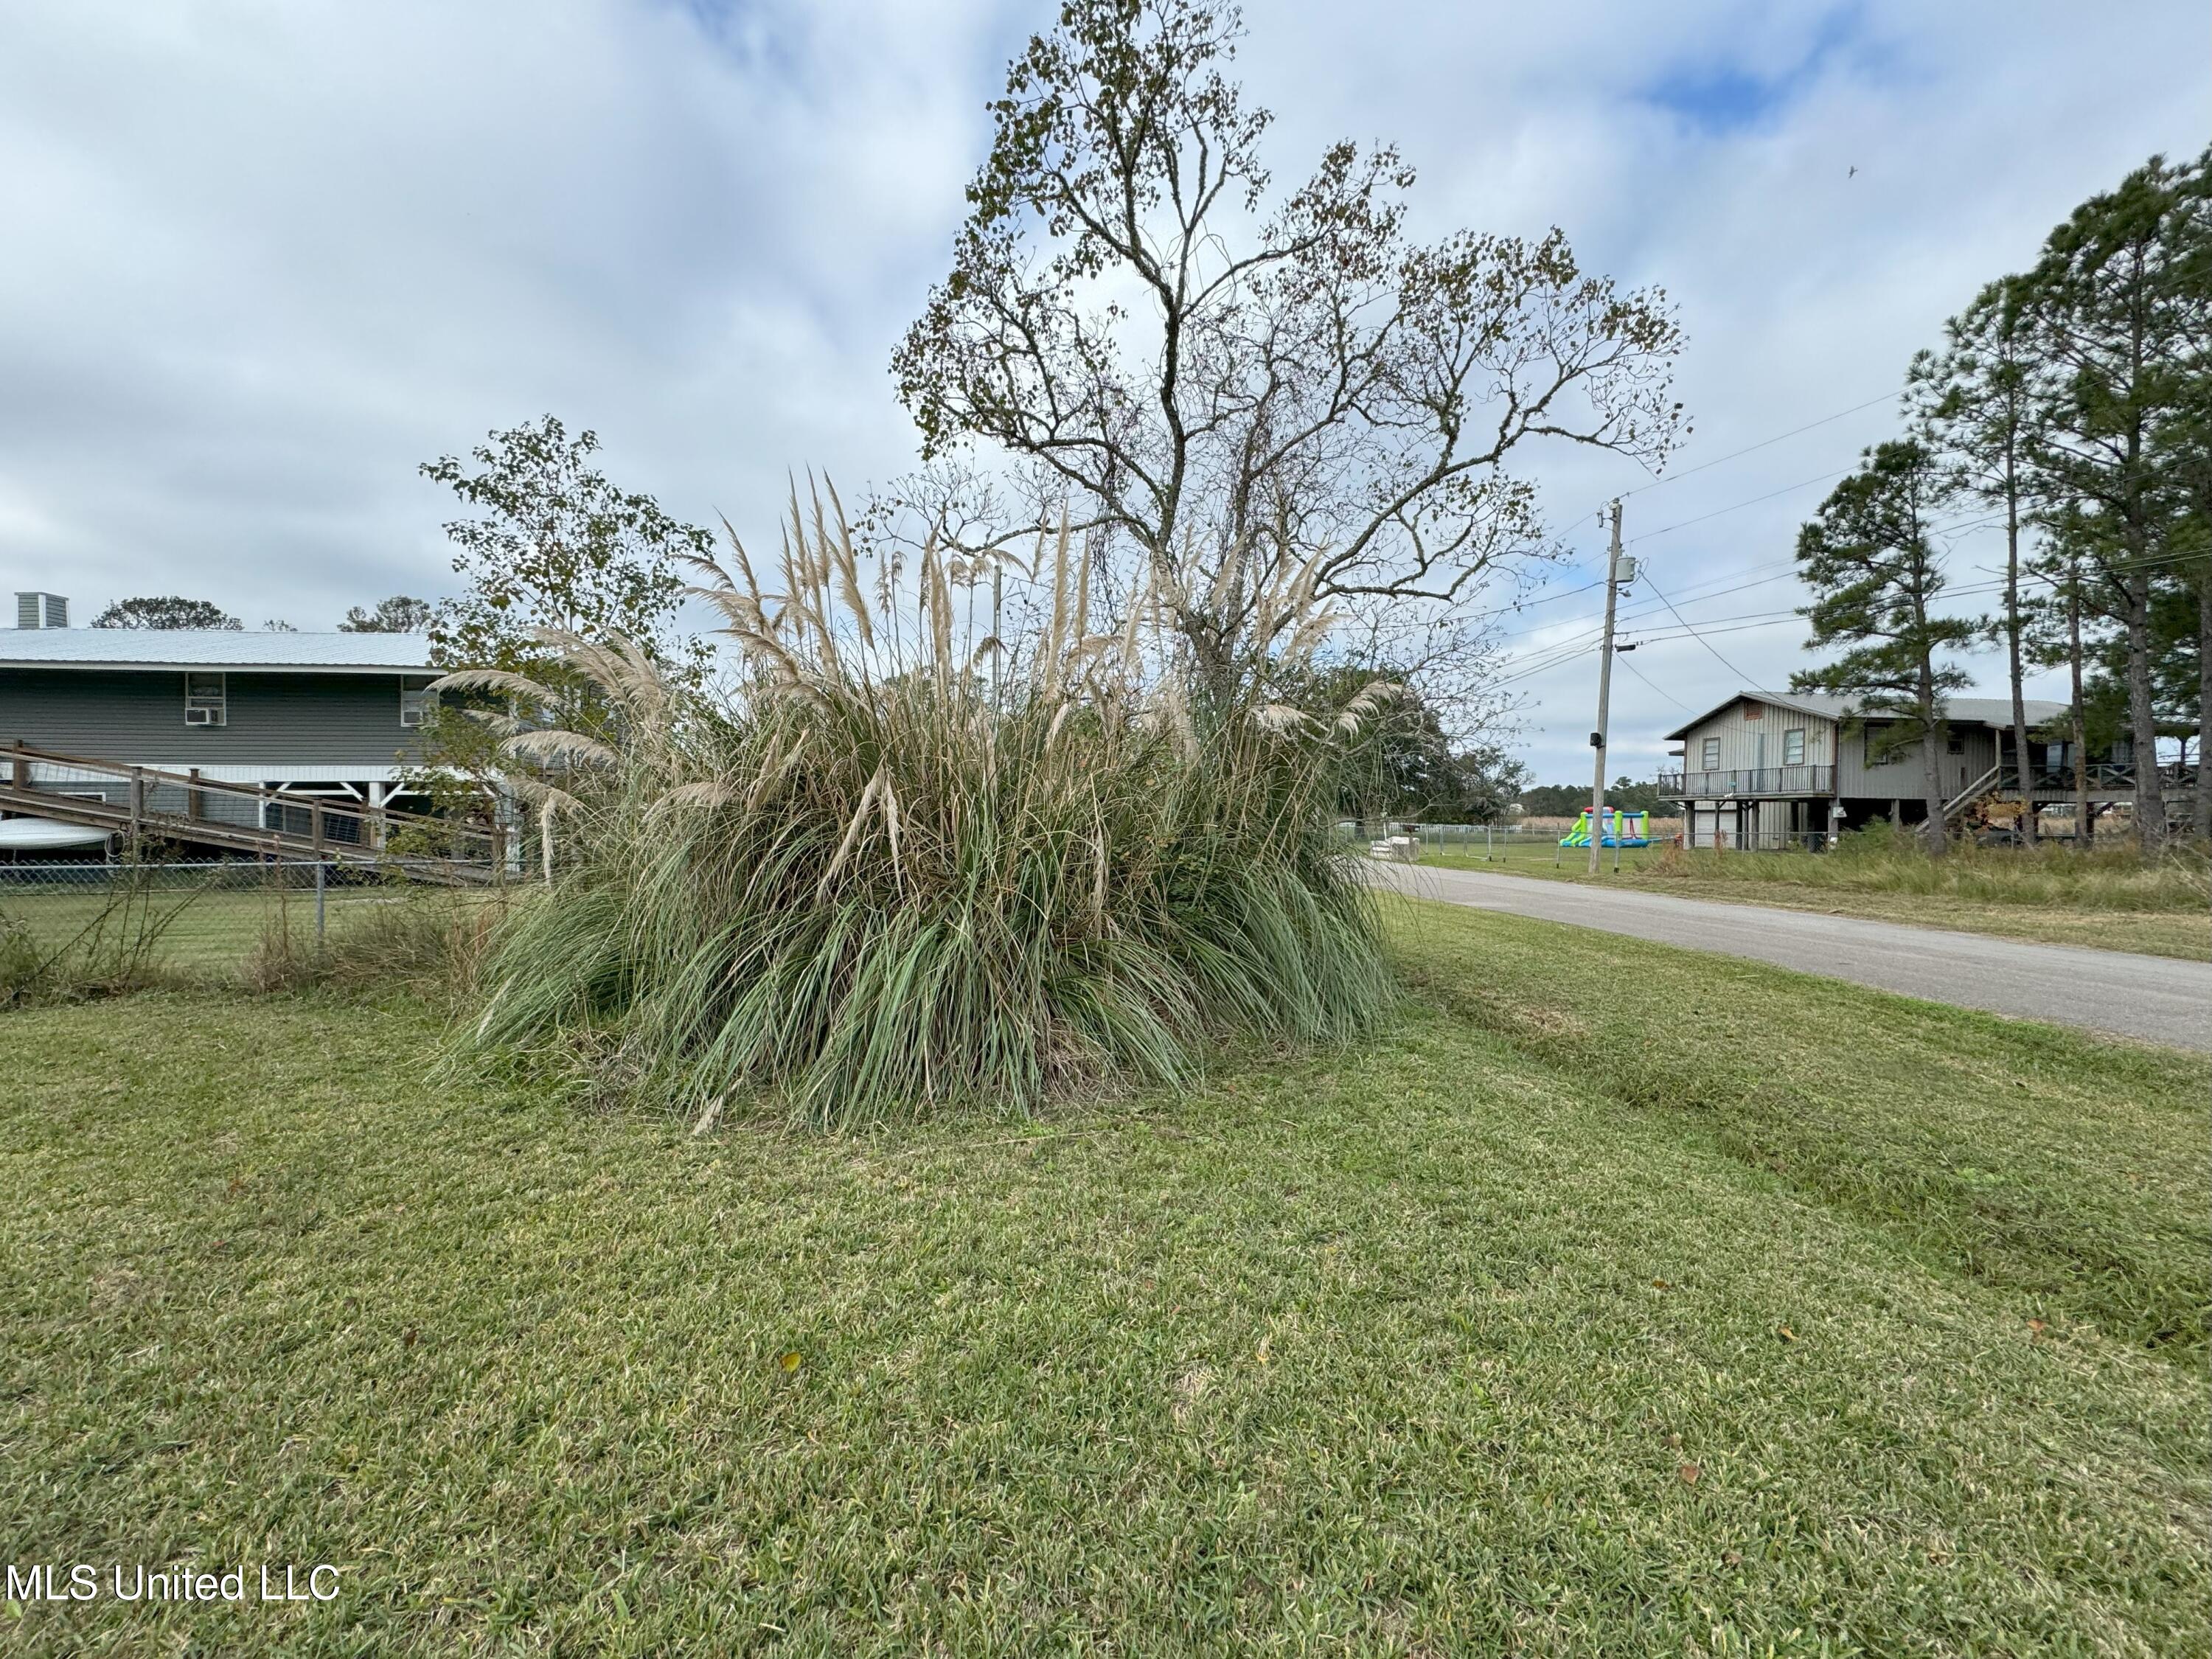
(1770, 769)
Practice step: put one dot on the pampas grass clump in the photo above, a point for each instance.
(886, 876)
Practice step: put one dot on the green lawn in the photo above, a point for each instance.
(2176, 925)
(1614, 1300)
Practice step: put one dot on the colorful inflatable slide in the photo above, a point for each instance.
(1624, 829)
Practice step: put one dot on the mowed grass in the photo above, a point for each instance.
(1615, 1300)
(2102, 902)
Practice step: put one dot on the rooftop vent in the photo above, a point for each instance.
(41, 610)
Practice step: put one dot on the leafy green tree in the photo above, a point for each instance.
(1241, 390)
(2119, 299)
(553, 546)
(397, 615)
(1486, 781)
(172, 611)
(1629, 796)
(1976, 401)
(1554, 800)
(1876, 576)
(1402, 764)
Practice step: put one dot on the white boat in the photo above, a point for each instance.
(46, 835)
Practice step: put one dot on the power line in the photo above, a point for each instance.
(1653, 535)
(1741, 678)
(1669, 696)
(1761, 444)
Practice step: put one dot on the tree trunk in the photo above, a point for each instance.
(2084, 830)
(1932, 747)
(2143, 715)
(2028, 826)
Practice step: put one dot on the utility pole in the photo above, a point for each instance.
(1604, 694)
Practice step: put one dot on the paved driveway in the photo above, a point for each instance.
(2153, 998)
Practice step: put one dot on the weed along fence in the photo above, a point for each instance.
(131, 922)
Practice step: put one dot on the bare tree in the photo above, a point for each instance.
(1246, 393)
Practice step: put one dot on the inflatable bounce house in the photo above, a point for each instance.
(1621, 829)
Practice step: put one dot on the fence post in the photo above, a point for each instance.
(321, 870)
(137, 802)
(195, 798)
(21, 772)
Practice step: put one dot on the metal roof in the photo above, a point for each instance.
(211, 648)
(1995, 712)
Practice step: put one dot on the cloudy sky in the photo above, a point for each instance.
(263, 259)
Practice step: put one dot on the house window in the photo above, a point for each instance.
(207, 701)
(1793, 746)
(1709, 754)
(414, 700)
(1954, 741)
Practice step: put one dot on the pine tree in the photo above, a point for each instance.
(1977, 400)
(1876, 575)
(2119, 299)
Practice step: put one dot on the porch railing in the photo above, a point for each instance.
(1756, 781)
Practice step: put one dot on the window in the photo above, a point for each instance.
(1709, 754)
(1954, 741)
(414, 700)
(1793, 746)
(207, 701)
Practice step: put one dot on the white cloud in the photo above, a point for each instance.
(265, 258)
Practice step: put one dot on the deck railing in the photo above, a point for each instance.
(1754, 780)
(140, 802)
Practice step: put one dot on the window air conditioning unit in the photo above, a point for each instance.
(201, 717)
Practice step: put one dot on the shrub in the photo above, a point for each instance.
(884, 875)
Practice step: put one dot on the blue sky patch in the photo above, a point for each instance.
(1728, 97)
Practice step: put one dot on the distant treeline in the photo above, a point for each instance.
(1563, 800)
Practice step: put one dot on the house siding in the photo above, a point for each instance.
(290, 719)
(1742, 733)
(1900, 777)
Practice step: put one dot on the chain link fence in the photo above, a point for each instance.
(1520, 841)
(128, 921)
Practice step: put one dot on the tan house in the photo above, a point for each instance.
(1769, 768)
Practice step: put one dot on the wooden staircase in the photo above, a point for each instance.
(1990, 782)
(184, 808)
